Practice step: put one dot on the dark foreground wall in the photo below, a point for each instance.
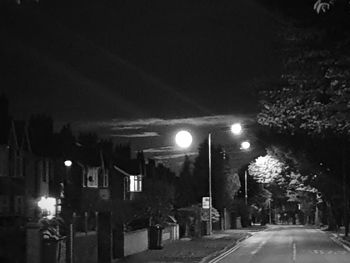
(85, 247)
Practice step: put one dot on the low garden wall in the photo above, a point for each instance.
(85, 247)
(135, 241)
(170, 233)
(138, 241)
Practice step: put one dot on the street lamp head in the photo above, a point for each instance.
(245, 145)
(236, 128)
(48, 206)
(183, 139)
(68, 163)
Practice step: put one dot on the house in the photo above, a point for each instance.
(24, 177)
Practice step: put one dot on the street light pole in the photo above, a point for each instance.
(270, 215)
(210, 194)
(245, 188)
(184, 139)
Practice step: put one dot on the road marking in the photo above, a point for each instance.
(258, 248)
(329, 252)
(294, 252)
(225, 254)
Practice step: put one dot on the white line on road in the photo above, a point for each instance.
(225, 254)
(294, 252)
(258, 248)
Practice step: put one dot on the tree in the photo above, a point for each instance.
(151, 207)
(314, 90)
(323, 6)
(266, 168)
(280, 172)
(185, 185)
(311, 103)
(231, 184)
(222, 174)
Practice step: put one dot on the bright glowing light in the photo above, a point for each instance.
(245, 145)
(135, 183)
(47, 206)
(183, 139)
(236, 128)
(68, 163)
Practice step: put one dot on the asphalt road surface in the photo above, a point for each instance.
(287, 244)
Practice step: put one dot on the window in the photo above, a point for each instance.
(41, 170)
(84, 177)
(135, 183)
(19, 205)
(46, 170)
(4, 161)
(92, 177)
(105, 179)
(4, 204)
(18, 169)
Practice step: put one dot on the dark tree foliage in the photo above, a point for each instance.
(201, 172)
(309, 110)
(185, 184)
(225, 183)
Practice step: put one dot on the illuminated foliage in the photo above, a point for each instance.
(314, 93)
(266, 168)
(323, 6)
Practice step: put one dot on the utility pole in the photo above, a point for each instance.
(245, 188)
(345, 191)
(210, 194)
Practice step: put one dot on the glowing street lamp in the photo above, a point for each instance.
(245, 145)
(183, 139)
(236, 128)
(68, 163)
(47, 206)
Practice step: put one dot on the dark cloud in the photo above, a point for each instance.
(138, 71)
(137, 135)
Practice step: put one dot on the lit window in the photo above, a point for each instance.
(135, 183)
(105, 179)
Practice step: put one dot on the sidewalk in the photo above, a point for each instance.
(195, 250)
(339, 237)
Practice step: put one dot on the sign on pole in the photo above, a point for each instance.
(206, 202)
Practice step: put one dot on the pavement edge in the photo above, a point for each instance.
(217, 254)
(340, 241)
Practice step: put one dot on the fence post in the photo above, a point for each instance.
(70, 240)
(33, 242)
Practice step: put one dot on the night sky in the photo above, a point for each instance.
(108, 66)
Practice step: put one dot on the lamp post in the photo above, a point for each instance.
(184, 140)
(245, 146)
(70, 246)
(210, 194)
(236, 129)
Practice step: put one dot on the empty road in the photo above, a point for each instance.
(287, 244)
